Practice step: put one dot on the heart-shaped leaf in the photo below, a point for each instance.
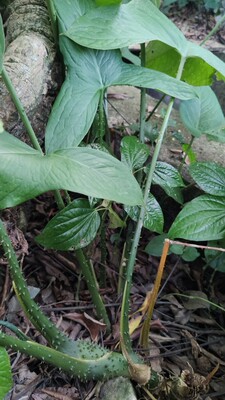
(153, 219)
(201, 219)
(75, 226)
(25, 173)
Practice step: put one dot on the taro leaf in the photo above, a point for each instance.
(89, 73)
(169, 179)
(2, 44)
(25, 173)
(202, 114)
(138, 22)
(201, 219)
(75, 226)
(133, 153)
(6, 381)
(153, 219)
(209, 176)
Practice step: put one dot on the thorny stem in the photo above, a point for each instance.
(38, 319)
(124, 325)
(20, 110)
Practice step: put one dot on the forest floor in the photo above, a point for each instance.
(187, 333)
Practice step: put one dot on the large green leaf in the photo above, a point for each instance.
(133, 153)
(107, 2)
(201, 219)
(25, 173)
(209, 176)
(122, 25)
(6, 381)
(2, 44)
(138, 22)
(202, 114)
(153, 219)
(89, 73)
(75, 226)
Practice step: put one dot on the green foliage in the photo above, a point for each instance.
(6, 381)
(75, 226)
(214, 5)
(77, 169)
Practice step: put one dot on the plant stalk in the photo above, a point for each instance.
(20, 109)
(143, 100)
(214, 30)
(124, 324)
(53, 19)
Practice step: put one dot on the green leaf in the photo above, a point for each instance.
(75, 226)
(89, 73)
(153, 219)
(25, 173)
(202, 114)
(201, 219)
(189, 152)
(121, 26)
(209, 176)
(107, 2)
(133, 153)
(215, 258)
(196, 71)
(190, 254)
(6, 381)
(138, 22)
(2, 44)
(155, 246)
(169, 179)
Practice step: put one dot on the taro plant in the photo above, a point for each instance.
(93, 61)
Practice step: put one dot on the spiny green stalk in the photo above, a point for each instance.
(124, 322)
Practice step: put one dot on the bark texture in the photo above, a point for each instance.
(29, 60)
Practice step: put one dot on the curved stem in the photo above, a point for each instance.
(214, 30)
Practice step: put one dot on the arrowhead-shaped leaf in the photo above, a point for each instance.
(138, 22)
(25, 173)
(153, 219)
(75, 226)
(203, 114)
(89, 73)
(209, 176)
(6, 381)
(201, 219)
